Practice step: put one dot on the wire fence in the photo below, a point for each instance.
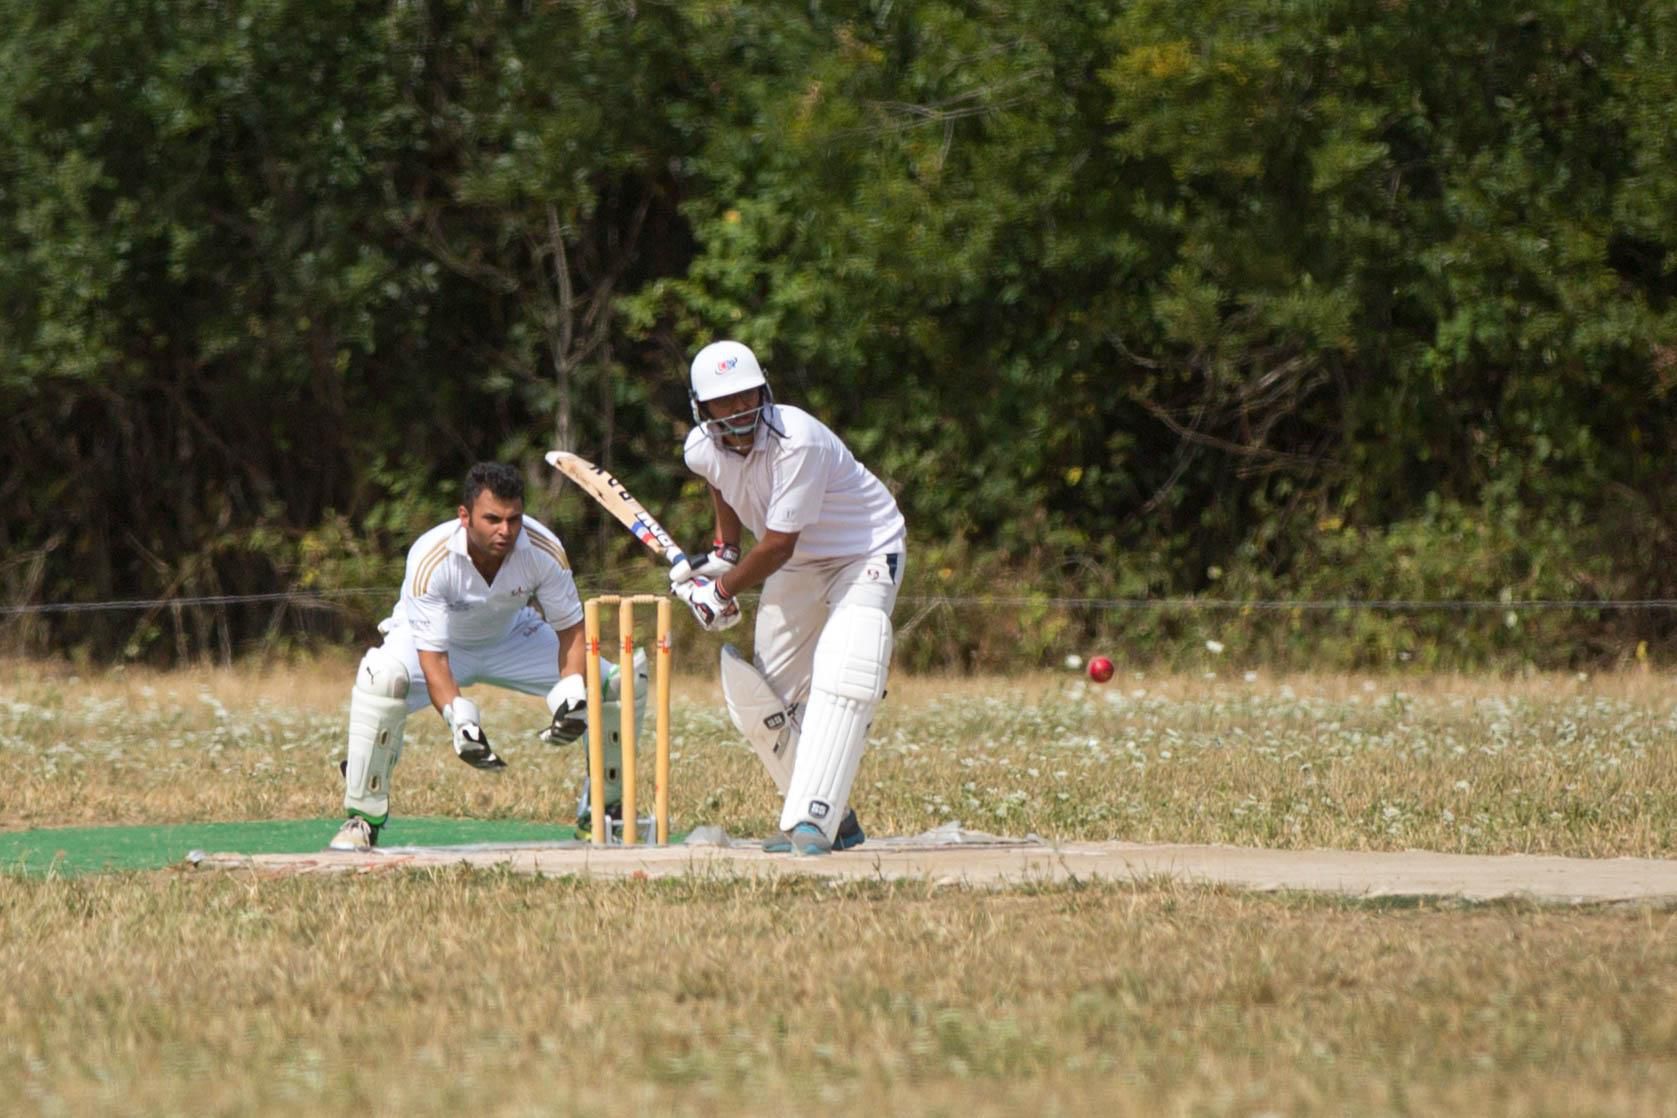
(318, 598)
(1019, 629)
(327, 598)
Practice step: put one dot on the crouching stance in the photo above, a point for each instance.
(464, 617)
(829, 556)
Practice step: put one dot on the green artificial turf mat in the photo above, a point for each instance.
(78, 850)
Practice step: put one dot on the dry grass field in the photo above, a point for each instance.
(442, 992)
(1552, 764)
(450, 993)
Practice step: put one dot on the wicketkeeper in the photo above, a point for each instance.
(829, 557)
(468, 613)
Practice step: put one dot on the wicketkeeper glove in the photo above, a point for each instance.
(719, 561)
(471, 745)
(714, 607)
(568, 703)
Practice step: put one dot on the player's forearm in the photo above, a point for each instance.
(729, 528)
(439, 678)
(770, 554)
(572, 654)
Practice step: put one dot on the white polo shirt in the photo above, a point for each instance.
(446, 604)
(800, 477)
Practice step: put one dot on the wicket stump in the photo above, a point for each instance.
(601, 826)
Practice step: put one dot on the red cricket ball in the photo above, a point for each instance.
(1100, 669)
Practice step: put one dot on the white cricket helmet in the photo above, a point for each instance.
(723, 369)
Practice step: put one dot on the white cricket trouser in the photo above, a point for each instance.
(525, 660)
(796, 604)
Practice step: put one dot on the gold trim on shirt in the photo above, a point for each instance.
(551, 547)
(427, 567)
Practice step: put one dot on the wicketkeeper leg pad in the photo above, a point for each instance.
(378, 709)
(851, 660)
(611, 717)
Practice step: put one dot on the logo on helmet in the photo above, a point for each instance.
(724, 366)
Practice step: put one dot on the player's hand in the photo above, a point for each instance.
(471, 744)
(717, 562)
(568, 703)
(714, 607)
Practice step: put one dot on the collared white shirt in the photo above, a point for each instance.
(446, 603)
(800, 477)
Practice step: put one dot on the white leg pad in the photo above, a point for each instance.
(378, 709)
(759, 713)
(848, 681)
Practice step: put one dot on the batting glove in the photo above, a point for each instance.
(719, 561)
(568, 702)
(714, 607)
(471, 745)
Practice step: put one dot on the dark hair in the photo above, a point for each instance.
(497, 477)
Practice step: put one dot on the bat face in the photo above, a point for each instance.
(618, 501)
(632, 514)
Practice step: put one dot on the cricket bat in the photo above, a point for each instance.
(618, 501)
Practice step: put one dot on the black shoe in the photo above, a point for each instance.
(849, 833)
(585, 821)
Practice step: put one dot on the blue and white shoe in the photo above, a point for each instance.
(807, 838)
(849, 835)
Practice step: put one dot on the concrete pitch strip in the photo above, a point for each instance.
(953, 857)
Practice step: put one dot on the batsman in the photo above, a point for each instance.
(829, 556)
